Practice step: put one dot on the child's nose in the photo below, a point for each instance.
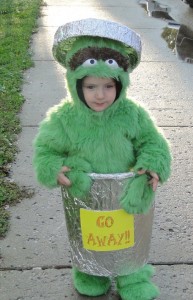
(100, 93)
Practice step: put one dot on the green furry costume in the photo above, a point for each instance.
(118, 139)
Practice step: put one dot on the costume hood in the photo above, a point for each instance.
(99, 48)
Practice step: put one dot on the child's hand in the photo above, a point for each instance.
(62, 179)
(154, 178)
(137, 196)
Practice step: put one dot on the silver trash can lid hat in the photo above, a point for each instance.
(98, 28)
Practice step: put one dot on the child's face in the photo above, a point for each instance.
(99, 93)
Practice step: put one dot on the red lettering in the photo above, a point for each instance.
(91, 239)
(104, 222)
(112, 239)
(101, 241)
(100, 222)
(109, 222)
(120, 238)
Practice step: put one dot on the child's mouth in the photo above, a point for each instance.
(99, 104)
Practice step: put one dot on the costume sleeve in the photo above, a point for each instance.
(151, 147)
(49, 150)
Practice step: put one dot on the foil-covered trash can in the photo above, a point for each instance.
(104, 239)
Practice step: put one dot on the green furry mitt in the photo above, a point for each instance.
(138, 195)
(81, 183)
(78, 175)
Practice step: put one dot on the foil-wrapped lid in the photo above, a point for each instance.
(68, 33)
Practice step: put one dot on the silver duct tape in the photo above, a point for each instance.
(104, 194)
(100, 28)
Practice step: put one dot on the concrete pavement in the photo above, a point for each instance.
(35, 255)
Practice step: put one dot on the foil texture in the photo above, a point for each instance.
(97, 27)
(103, 196)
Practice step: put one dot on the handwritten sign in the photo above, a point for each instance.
(107, 230)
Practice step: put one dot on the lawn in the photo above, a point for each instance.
(18, 21)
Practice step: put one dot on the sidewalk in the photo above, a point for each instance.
(35, 262)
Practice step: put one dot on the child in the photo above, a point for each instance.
(100, 130)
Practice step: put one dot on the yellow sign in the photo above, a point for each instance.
(107, 230)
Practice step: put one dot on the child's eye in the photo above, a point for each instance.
(109, 86)
(111, 62)
(90, 62)
(90, 87)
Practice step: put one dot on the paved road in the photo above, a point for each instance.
(35, 261)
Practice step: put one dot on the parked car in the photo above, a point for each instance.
(189, 2)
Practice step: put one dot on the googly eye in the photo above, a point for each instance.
(112, 63)
(90, 62)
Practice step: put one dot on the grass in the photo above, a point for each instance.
(17, 24)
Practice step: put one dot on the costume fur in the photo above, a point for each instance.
(118, 139)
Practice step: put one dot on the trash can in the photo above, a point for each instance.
(104, 239)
